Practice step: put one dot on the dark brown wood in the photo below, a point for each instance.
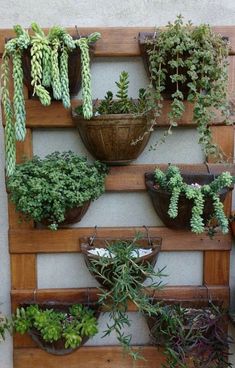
(109, 138)
(67, 240)
(120, 41)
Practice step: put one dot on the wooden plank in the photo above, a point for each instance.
(67, 240)
(23, 271)
(120, 41)
(131, 178)
(86, 357)
(216, 267)
(56, 116)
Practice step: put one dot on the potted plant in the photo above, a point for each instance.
(191, 336)
(232, 223)
(186, 62)
(45, 63)
(115, 125)
(56, 190)
(57, 328)
(120, 266)
(184, 200)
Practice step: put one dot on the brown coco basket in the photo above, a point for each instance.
(74, 69)
(72, 215)
(109, 137)
(91, 243)
(161, 200)
(58, 347)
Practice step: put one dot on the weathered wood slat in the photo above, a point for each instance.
(23, 271)
(120, 41)
(87, 357)
(67, 240)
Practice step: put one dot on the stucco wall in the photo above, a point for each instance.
(67, 269)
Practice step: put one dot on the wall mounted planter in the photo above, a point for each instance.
(109, 137)
(89, 243)
(161, 200)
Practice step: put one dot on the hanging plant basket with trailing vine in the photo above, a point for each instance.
(186, 62)
(57, 328)
(52, 66)
(115, 125)
(184, 200)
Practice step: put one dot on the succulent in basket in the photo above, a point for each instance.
(194, 336)
(180, 201)
(57, 189)
(116, 124)
(187, 62)
(121, 268)
(59, 329)
(49, 68)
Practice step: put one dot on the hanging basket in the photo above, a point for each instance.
(109, 137)
(161, 200)
(91, 243)
(58, 347)
(74, 69)
(72, 215)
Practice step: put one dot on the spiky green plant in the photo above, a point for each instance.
(172, 181)
(49, 68)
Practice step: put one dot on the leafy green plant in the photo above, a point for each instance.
(191, 335)
(194, 57)
(173, 182)
(122, 276)
(54, 325)
(122, 104)
(44, 189)
(49, 68)
(4, 326)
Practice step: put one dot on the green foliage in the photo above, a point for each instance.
(196, 56)
(5, 325)
(172, 181)
(123, 277)
(191, 337)
(44, 189)
(49, 68)
(122, 104)
(53, 325)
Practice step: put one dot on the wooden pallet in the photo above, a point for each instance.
(25, 241)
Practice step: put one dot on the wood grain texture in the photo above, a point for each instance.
(120, 41)
(23, 271)
(67, 240)
(87, 357)
(216, 267)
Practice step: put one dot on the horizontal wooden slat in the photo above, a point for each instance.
(56, 116)
(87, 357)
(67, 240)
(131, 177)
(120, 41)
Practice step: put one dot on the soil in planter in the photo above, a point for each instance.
(150, 258)
(161, 201)
(109, 137)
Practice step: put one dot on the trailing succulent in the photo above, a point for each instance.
(196, 58)
(173, 182)
(49, 68)
(44, 189)
(54, 325)
(122, 104)
(191, 336)
(123, 278)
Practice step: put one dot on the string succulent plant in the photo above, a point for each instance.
(122, 278)
(49, 69)
(123, 104)
(172, 181)
(189, 63)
